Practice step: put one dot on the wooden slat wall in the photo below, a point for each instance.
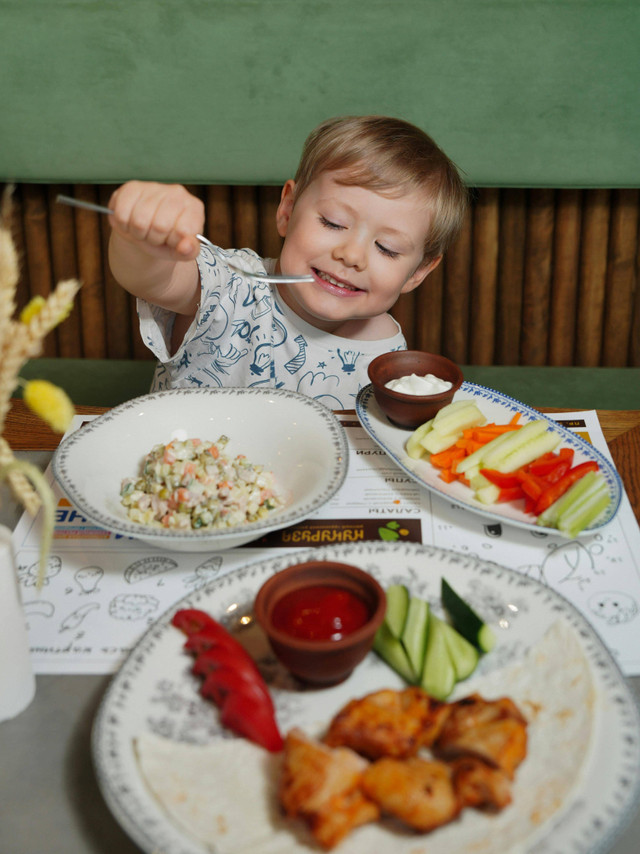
(537, 277)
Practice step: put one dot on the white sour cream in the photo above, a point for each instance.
(414, 384)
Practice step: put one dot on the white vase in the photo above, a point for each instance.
(17, 682)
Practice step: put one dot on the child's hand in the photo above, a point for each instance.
(161, 219)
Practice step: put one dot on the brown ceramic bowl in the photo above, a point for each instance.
(411, 410)
(321, 662)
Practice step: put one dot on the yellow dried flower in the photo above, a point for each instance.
(50, 403)
(33, 307)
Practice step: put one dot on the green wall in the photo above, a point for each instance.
(518, 92)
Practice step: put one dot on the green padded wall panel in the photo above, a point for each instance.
(518, 92)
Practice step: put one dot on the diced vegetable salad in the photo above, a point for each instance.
(192, 484)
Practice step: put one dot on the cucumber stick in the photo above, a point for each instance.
(491, 454)
(525, 454)
(438, 677)
(579, 506)
(429, 652)
(414, 635)
(465, 620)
(413, 446)
(390, 649)
(397, 607)
(454, 421)
(595, 502)
(455, 406)
(464, 655)
(435, 442)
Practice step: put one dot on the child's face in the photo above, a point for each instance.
(363, 249)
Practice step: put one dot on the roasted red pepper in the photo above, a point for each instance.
(254, 721)
(222, 656)
(211, 638)
(191, 620)
(231, 678)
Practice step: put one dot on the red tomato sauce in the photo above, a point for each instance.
(320, 612)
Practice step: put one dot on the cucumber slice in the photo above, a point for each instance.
(464, 655)
(397, 607)
(414, 635)
(390, 649)
(465, 620)
(413, 446)
(438, 677)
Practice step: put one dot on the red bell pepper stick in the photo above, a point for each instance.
(510, 493)
(504, 481)
(556, 490)
(531, 485)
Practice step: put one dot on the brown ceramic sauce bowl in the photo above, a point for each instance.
(412, 410)
(321, 662)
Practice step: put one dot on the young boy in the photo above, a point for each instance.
(372, 207)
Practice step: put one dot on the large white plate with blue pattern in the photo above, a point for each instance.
(576, 791)
(500, 408)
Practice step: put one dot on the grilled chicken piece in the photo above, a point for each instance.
(480, 785)
(388, 723)
(417, 791)
(492, 730)
(322, 786)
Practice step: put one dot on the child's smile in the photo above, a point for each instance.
(326, 279)
(363, 249)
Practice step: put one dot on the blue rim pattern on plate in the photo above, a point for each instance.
(330, 425)
(384, 434)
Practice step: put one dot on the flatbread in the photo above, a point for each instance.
(225, 794)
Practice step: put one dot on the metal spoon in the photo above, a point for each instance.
(263, 277)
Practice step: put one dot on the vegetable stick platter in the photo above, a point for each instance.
(500, 409)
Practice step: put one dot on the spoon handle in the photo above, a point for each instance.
(77, 203)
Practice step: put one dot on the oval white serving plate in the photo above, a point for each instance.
(500, 408)
(294, 436)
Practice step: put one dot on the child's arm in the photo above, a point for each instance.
(153, 247)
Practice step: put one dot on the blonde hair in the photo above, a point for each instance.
(389, 155)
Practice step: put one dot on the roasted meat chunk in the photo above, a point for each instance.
(418, 792)
(480, 785)
(494, 731)
(388, 723)
(321, 785)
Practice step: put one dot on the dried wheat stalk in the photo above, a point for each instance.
(22, 341)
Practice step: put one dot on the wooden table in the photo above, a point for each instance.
(621, 429)
(49, 795)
